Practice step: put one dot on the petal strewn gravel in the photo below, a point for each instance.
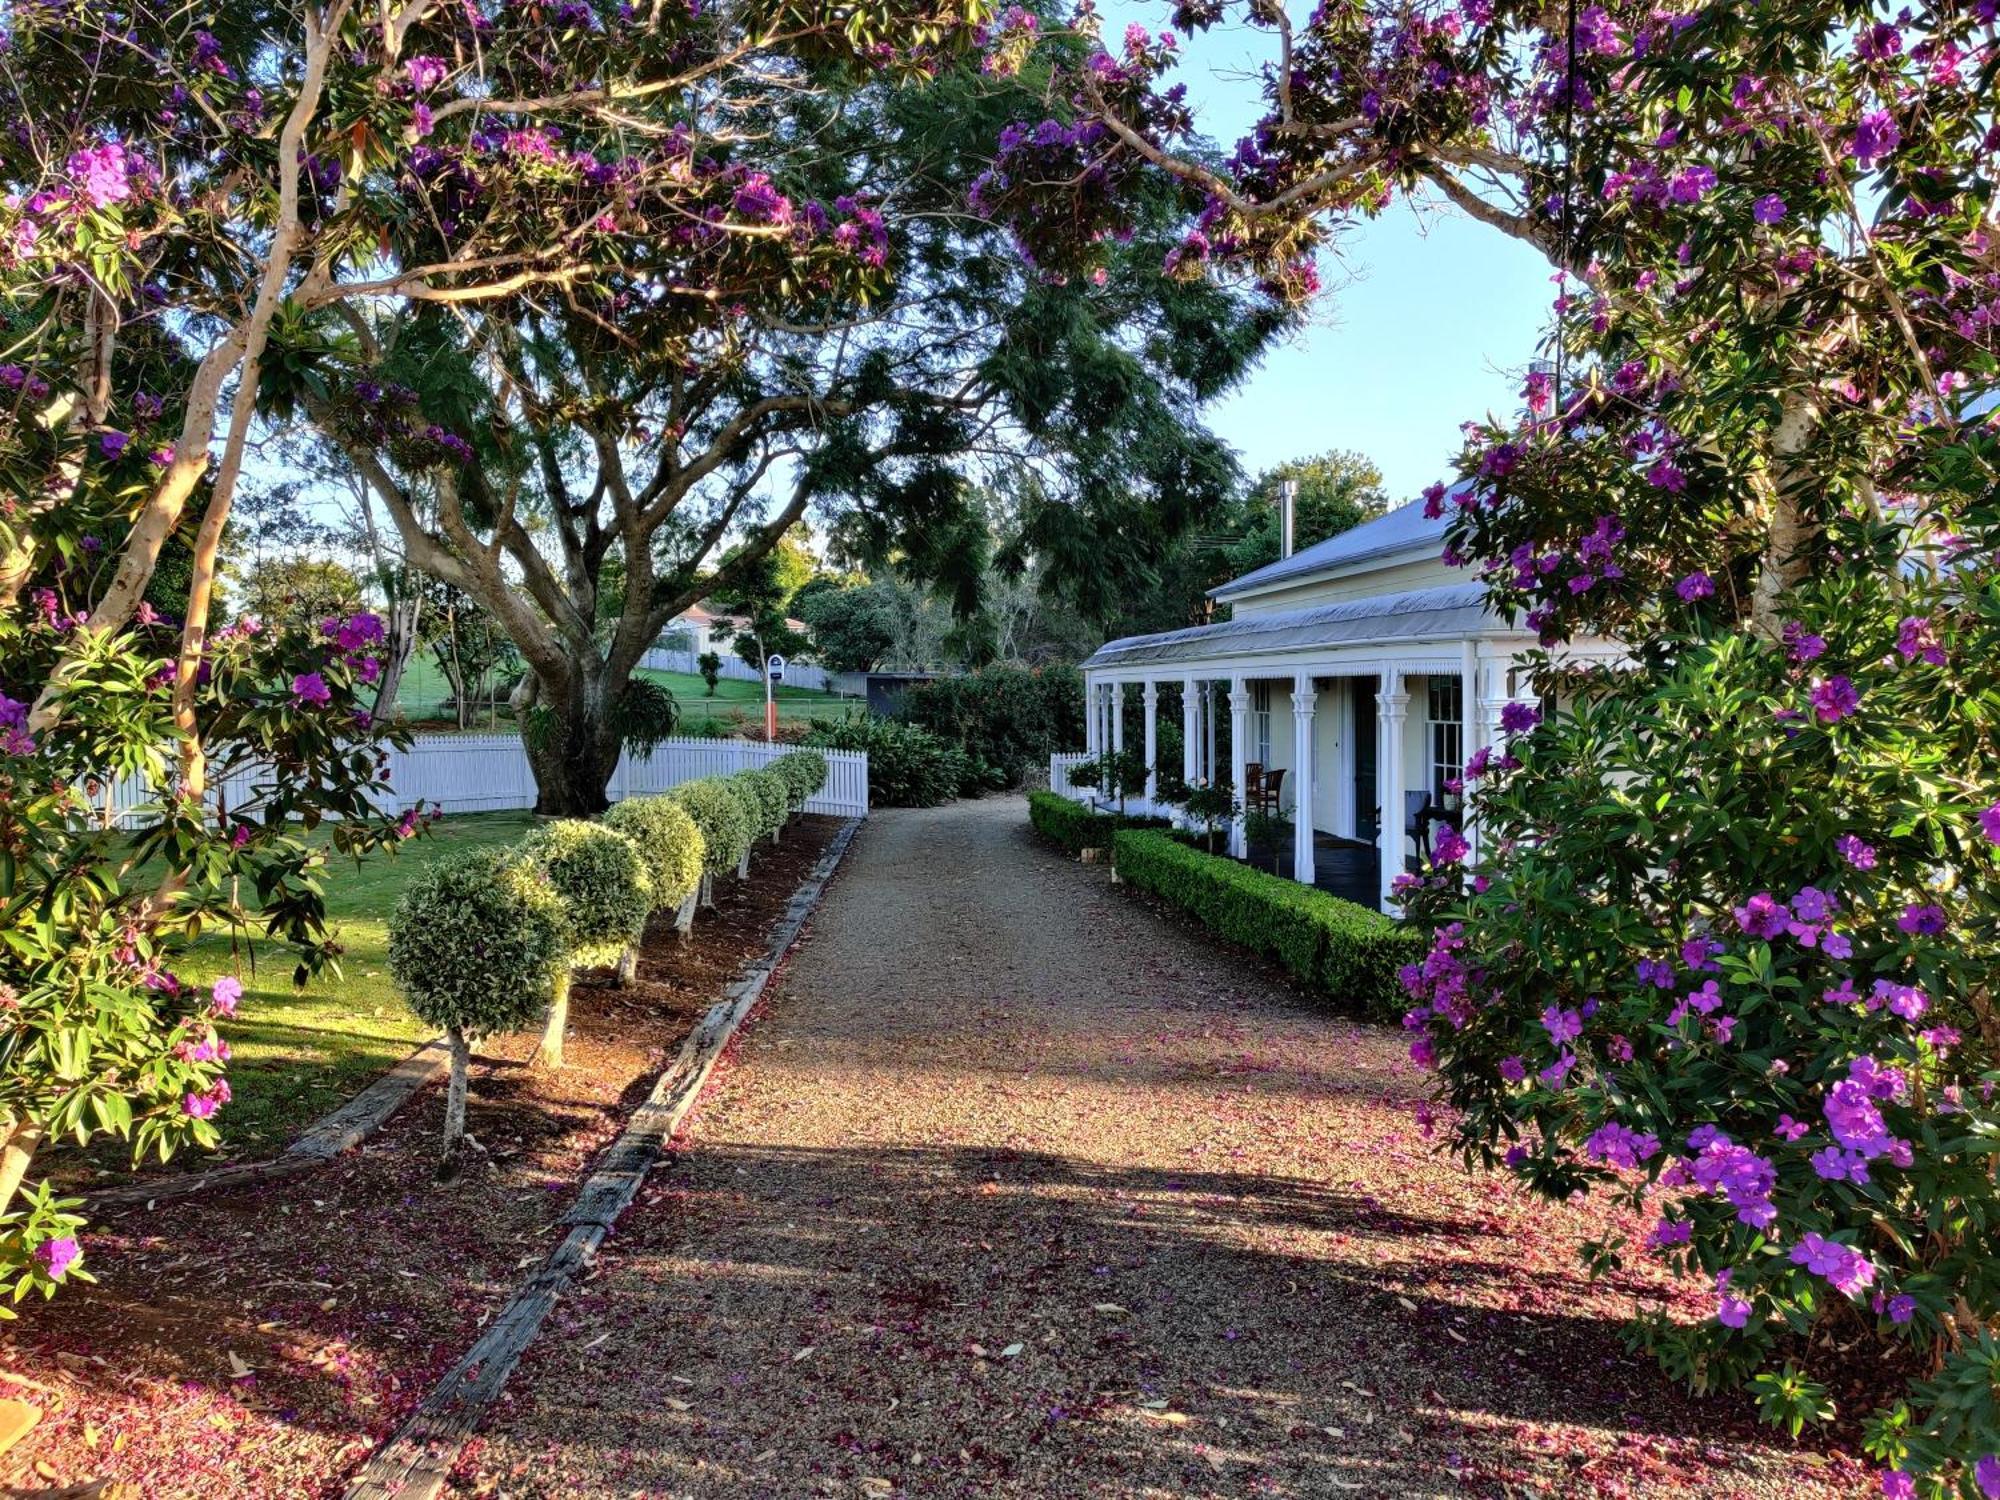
(1015, 1187)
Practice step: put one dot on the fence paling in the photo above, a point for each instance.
(490, 773)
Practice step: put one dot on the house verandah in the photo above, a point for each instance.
(1369, 707)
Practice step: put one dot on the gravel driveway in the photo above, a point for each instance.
(1017, 1188)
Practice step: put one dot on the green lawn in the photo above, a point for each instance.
(298, 1053)
(425, 692)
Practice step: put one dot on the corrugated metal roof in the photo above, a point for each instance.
(1453, 611)
(1404, 529)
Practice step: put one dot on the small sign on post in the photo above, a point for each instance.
(774, 672)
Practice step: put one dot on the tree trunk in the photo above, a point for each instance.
(743, 866)
(573, 760)
(707, 890)
(17, 1150)
(628, 967)
(454, 1097)
(551, 1054)
(397, 651)
(684, 918)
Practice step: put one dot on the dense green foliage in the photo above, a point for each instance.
(771, 795)
(668, 841)
(601, 883)
(804, 774)
(726, 827)
(907, 766)
(1076, 827)
(1007, 720)
(476, 941)
(1352, 954)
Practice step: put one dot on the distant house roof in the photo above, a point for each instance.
(697, 614)
(1404, 529)
(1453, 611)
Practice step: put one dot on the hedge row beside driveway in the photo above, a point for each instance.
(1351, 953)
(1076, 827)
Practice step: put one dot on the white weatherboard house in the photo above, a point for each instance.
(1364, 667)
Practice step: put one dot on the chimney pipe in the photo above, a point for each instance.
(1288, 505)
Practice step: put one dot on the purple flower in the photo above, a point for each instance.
(102, 174)
(425, 73)
(1656, 972)
(1898, 1485)
(1925, 920)
(1986, 1474)
(1876, 135)
(1763, 915)
(1845, 1269)
(1858, 854)
(310, 687)
(1518, 718)
(1666, 475)
(1691, 184)
(1989, 823)
(1695, 586)
(1513, 1069)
(1562, 1025)
(1800, 643)
(1788, 1128)
(1916, 637)
(1854, 1120)
(1666, 1232)
(1834, 698)
(1449, 845)
(1902, 1308)
(222, 999)
(1769, 209)
(58, 1255)
(113, 445)
(1732, 1311)
(1620, 1145)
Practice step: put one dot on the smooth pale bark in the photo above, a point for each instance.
(628, 967)
(551, 1053)
(16, 1153)
(707, 891)
(454, 1095)
(684, 917)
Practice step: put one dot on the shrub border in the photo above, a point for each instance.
(1074, 827)
(1344, 950)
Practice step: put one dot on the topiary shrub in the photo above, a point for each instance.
(1347, 951)
(774, 798)
(670, 842)
(1076, 827)
(475, 943)
(726, 829)
(605, 896)
(804, 772)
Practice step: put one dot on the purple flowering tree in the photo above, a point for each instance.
(1726, 946)
(803, 320)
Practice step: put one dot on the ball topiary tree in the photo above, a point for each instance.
(474, 943)
(670, 842)
(774, 799)
(804, 772)
(605, 896)
(726, 830)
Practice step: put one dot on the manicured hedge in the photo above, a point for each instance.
(1350, 952)
(1074, 826)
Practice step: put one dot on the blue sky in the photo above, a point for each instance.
(1434, 328)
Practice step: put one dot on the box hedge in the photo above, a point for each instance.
(1076, 827)
(1351, 953)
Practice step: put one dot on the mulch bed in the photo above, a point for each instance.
(258, 1343)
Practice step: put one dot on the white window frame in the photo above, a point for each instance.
(1260, 707)
(1445, 702)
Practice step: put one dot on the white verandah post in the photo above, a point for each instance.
(1093, 699)
(1391, 704)
(1191, 730)
(1304, 701)
(1469, 738)
(1239, 720)
(1150, 697)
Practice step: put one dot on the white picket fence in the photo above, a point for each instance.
(460, 773)
(1059, 769)
(797, 674)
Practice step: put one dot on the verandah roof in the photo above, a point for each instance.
(1451, 612)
